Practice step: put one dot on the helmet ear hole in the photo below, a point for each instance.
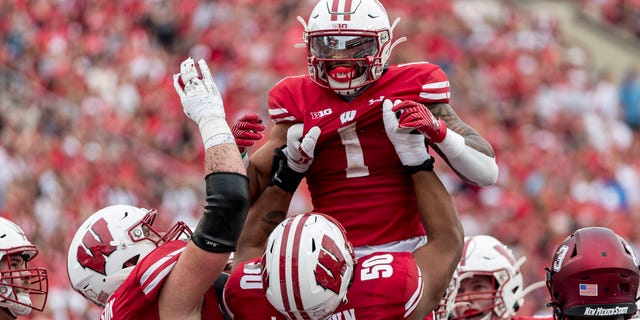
(131, 262)
(574, 252)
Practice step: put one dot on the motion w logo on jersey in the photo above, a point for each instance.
(331, 265)
(98, 247)
(348, 116)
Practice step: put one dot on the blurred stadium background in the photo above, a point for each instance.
(88, 115)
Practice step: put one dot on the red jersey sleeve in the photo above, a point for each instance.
(281, 101)
(137, 297)
(421, 82)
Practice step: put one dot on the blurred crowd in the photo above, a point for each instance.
(89, 117)
(623, 14)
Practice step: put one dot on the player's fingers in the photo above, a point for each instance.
(245, 143)
(254, 126)
(177, 86)
(206, 76)
(249, 135)
(251, 117)
(294, 133)
(410, 124)
(310, 139)
(387, 105)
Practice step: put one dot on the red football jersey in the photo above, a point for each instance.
(356, 175)
(385, 286)
(137, 297)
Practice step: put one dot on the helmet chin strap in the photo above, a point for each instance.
(21, 309)
(16, 309)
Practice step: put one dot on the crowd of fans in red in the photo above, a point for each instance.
(623, 14)
(88, 115)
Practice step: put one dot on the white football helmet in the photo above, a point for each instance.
(109, 244)
(486, 256)
(22, 288)
(348, 43)
(307, 266)
(445, 306)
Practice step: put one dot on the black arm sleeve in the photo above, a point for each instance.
(224, 214)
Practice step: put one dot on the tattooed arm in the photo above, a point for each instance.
(464, 149)
(264, 215)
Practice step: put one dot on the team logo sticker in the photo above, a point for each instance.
(560, 254)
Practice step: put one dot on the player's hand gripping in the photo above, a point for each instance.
(247, 130)
(299, 150)
(410, 148)
(417, 116)
(202, 102)
(292, 160)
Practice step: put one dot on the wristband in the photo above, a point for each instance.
(215, 131)
(281, 175)
(427, 165)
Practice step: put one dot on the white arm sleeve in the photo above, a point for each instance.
(474, 165)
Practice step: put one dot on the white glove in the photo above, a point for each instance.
(202, 103)
(299, 150)
(410, 147)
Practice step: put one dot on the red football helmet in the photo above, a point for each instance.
(594, 273)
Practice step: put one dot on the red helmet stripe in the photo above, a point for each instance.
(464, 251)
(347, 10)
(334, 8)
(283, 263)
(506, 254)
(346, 13)
(294, 260)
(289, 266)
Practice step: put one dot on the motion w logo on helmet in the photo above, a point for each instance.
(97, 246)
(331, 265)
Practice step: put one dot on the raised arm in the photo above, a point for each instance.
(445, 239)
(227, 199)
(437, 260)
(469, 155)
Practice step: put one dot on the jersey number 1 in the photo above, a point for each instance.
(355, 157)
